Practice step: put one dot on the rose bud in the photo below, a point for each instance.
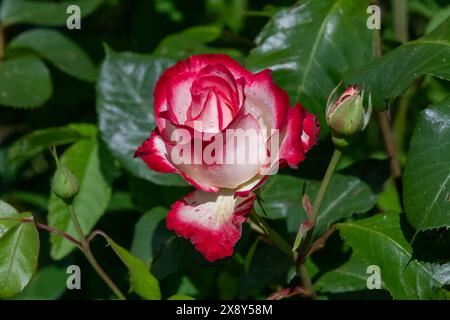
(224, 130)
(346, 116)
(65, 185)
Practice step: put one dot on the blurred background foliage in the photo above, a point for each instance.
(56, 87)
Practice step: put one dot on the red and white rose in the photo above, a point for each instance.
(203, 105)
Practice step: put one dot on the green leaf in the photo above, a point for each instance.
(24, 82)
(42, 12)
(227, 284)
(250, 255)
(389, 77)
(48, 283)
(346, 195)
(269, 267)
(379, 240)
(148, 195)
(58, 49)
(236, 14)
(188, 42)
(142, 281)
(121, 201)
(125, 108)
(192, 41)
(9, 216)
(148, 237)
(180, 297)
(174, 255)
(90, 204)
(388, 200)
(228, 12)
(37, 141)
(311, 46)
(19, 250)
(351, 276)
(33, 199)
(438, 18)
(427, 174)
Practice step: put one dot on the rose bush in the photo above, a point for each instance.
(368, 210)
(206, 97)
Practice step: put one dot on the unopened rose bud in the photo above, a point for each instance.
(65, 185)
(347, 116)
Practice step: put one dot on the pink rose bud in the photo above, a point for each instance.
(346, 116)
(224, 130)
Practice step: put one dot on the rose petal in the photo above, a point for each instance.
(230, 167)
(194, 65)
(161, 88)
(198, 184)
(246, 188)
(219, 86)
(179, 96)
(211, 221)
(154, 153)
(311, 130)
(301, 134)
(265, 99)
(198, 62)
(210, 118)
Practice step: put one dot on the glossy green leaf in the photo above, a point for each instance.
(19, 250)
(49, 283)
(427, 174)
(395, 71)
(310, 46)
(90, 204)
(58, 49)
(142, 281)
(346, 195)
(10, 218)
(379, 240)
(125, 108)
(42, 12)
(148, 237)
(351, 276)
(24, 82)
(39, 140)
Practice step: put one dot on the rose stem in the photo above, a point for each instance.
(383, 116)
(304, 248)
(272, 234)
(86, 249)
(53, 230)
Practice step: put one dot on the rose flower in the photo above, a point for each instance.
(224, 130)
